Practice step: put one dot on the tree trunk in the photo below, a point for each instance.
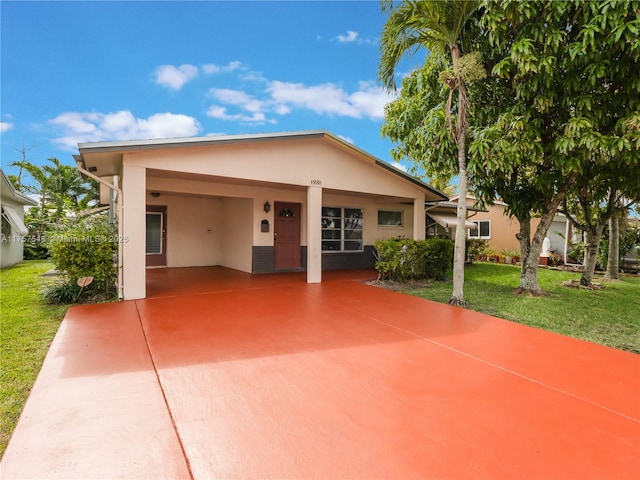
(457, 296)
(529, 257)
(459, 252)
(530, 252)
(592, 237)
(613, 262)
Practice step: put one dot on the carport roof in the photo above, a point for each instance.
(104, 158)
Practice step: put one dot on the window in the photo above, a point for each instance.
(482, 230)
(390, 218)
(342, 229)
(154, 233)
(6, 225)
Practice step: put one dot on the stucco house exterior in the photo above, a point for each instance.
(13, 228)
(306, 201)
(499, 230)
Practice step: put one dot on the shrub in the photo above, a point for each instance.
(38, 223)
(85, 248)
(404, 259)
(439, 257)
(475, 248)
(62, 292)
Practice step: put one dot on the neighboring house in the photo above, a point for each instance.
(13, 227)
(494, 225)
(442, 219)
(256, 203)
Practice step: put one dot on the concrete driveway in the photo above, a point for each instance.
(221, 374)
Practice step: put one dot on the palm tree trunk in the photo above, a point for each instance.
(457, 295)
(459, 252)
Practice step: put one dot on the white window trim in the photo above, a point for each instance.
(342, 230)
(480, 237)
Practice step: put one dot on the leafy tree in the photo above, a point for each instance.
(565, 95)
(438, 26)
(560, 106)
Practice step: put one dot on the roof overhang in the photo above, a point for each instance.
(11, 193)
(449, 221)
(105, 158)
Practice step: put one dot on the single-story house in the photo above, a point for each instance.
(499, 230)
(306, 201)
(13, 228)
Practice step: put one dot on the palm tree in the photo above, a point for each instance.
(437, 26)
(66, 186)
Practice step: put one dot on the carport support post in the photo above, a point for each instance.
(314, 234)
(134, 186)
(419, 219)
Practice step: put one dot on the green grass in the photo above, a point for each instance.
(610, 316)
(27, 328)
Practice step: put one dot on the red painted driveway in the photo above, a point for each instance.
(226, 375)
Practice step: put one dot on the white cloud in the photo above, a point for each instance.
(211, 68)
(326, 98)
(331, 99)
(350, 37)
(282, 98)
(220, 113)
(5, 126)
(175, 77)
(78, 127)
(238, 97)
(371, 99)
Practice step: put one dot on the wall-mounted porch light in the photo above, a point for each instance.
(267, 206)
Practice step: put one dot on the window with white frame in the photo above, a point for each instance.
(390, 218)
(342, 229)
(482, 230)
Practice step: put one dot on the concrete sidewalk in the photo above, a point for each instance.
(269, 377)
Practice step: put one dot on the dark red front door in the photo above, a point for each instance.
(287, 235)
(156, 238)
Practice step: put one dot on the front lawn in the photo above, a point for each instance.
(27, 328)
(610, 316)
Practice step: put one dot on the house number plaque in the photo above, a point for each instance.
(316, 182)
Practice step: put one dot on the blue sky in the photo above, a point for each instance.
(95, 71)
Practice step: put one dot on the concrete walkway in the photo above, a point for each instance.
(221, 374)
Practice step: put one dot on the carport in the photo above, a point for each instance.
(224, 374)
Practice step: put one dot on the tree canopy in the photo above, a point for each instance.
(561, 101)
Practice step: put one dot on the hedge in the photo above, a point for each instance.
(404, 259)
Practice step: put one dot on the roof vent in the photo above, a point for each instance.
(93, 169)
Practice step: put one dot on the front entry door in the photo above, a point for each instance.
(286, 235)
(156, 236)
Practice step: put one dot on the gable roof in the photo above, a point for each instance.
(109, 154)
(11, 193)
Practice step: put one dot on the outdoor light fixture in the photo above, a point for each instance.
(155, 194)
(267, 206)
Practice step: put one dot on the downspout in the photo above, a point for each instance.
(82, 170)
